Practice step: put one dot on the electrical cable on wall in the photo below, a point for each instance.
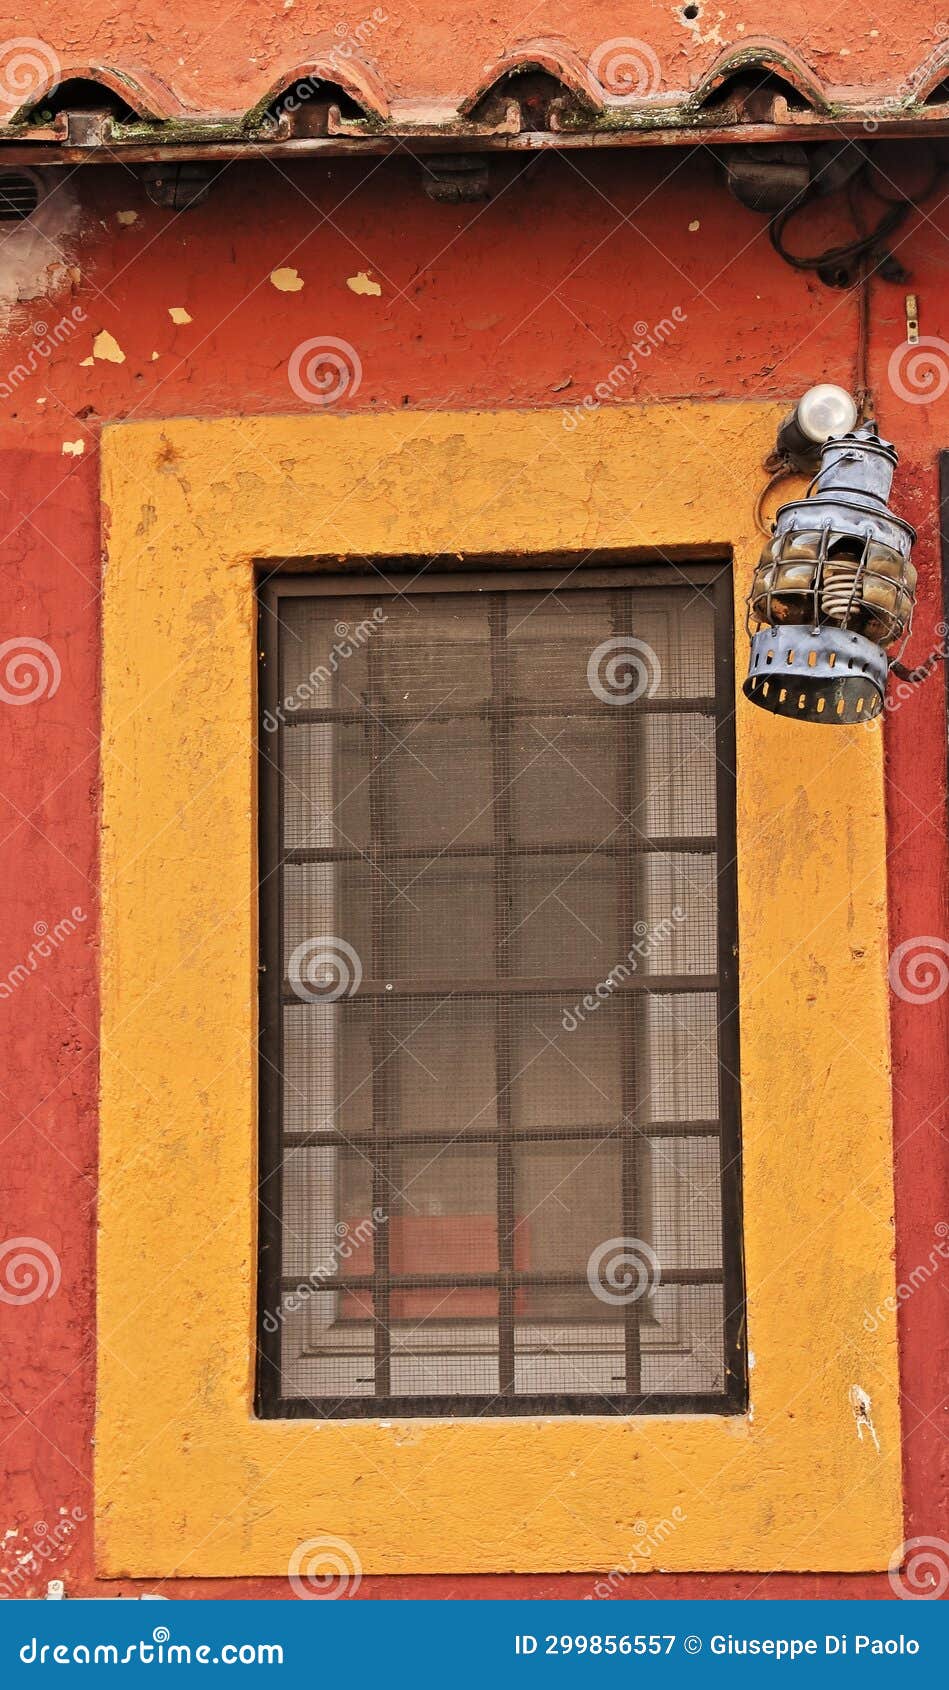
(835, 264)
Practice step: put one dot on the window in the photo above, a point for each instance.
(499, 1164)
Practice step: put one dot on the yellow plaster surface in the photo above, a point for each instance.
(187, 1481)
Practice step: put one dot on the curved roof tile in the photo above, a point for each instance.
(36, 77)
(933, 70)
(629, 68)
(356, 78)
(766, 56)
(557, 58)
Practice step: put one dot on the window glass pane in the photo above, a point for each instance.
(567, 1200)
(494, 1064)
(434, 914)
(576, 757)
(427, 803)
(570, 1343)
(444, 1213)
(446, 1344)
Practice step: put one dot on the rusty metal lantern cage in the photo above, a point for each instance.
(834, 589)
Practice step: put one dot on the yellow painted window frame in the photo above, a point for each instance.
(188, 1481)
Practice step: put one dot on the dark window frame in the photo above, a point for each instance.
(715, 580)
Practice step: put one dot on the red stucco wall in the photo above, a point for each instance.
(527, 300)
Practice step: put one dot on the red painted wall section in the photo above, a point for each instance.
(528, 299)
(919, 920)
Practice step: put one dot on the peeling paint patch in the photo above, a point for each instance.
(695, 224)
(178, 314)
(863, 1415)
(690, 15)
(126, 218)
(37, 253)
(73, 448)
(286, 280)
(362, 283)
(106, 347)
(154, 358)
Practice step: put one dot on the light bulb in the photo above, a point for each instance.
(825, 411)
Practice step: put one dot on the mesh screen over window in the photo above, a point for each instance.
(495, 1147)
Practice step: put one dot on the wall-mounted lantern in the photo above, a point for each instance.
(834, 588)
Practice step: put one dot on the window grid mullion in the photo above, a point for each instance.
(382, 1078)
(634, 1054)
(502, 812)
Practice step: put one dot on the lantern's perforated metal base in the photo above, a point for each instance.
(816, 674)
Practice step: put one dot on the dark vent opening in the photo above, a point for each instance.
(80, 93)
(533, 89)
(938, 96)
(754, 89)
(19, 196)
(306, 102)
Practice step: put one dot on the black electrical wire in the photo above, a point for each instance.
(922, 670)
(866, 244)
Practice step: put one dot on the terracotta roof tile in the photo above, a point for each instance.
(446, 69)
